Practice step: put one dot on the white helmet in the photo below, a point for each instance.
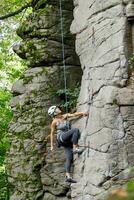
(51, 110)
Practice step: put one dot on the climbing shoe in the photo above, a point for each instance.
(70, 180)
(78, 151)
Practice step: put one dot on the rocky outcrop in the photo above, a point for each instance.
(104, 44)
(34, 172)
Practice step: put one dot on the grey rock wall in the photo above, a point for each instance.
(104, 44)
(33, 171)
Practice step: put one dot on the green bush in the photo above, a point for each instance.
(124, 193)
(71, 96)
(4, 189)
(5, 118)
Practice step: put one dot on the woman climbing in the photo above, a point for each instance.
(66, 136)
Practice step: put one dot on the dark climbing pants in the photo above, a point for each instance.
(69, 138)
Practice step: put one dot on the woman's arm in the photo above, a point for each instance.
(76, 114)
(52, 135)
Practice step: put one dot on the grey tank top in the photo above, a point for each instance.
(62, 127)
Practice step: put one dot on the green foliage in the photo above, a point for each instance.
(8, 6)
(126, 193)
(4, 187)
(5, 117)
(57, 91)
(11, 66)
(130, 189)
(72, 96)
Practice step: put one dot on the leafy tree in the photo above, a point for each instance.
(13, 7)
(11, 66)
(5, 117)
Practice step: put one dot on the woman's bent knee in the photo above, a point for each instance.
(76, 131)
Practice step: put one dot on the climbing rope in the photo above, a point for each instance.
(63, 53)
(64, 67)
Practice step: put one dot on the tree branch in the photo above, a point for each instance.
(15, 12)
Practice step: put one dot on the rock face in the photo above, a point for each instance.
(104, 44)
(34, 172)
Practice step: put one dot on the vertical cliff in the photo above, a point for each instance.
(34, 172)
(104, 44)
